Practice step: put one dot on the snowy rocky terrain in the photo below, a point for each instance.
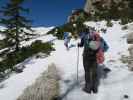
(117, 86)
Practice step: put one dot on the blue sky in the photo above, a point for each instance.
(50, 12)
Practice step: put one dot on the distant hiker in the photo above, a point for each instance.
(91, 43)
(67, 38)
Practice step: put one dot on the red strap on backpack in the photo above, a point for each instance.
(100, 56)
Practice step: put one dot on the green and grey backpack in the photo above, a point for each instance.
(92, 41)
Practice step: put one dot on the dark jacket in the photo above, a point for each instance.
(87, 53)
(104, 45)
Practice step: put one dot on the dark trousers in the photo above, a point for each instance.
(91, 75)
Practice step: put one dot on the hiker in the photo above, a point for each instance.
(102, 70)
(67, 38)
(91, 47)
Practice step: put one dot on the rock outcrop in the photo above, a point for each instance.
(130, 38)
(89, 5)
(90, 8)
(130, 41)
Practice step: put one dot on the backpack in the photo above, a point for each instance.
(92, 41)
(100, 56)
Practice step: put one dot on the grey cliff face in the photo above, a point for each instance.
(90, 8)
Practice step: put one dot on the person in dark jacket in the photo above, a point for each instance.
(90, 65)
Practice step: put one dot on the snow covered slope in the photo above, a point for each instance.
(119, 80)
(37, 30)
(42, 30)
(118, 83)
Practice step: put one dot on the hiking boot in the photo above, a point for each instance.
(86, 90)
(95, 90)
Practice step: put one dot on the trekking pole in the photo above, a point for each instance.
(77, 65)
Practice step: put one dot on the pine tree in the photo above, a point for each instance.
(16, 23)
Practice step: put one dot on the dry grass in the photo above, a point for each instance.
(46, 87)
